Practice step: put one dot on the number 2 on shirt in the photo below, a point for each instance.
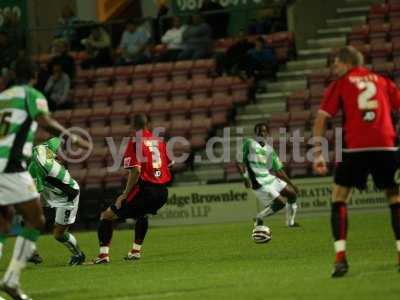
(366, 103)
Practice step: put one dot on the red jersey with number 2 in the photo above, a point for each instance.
(150, 154)
(367, 101)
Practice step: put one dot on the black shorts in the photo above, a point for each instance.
(145, 198)
(355, 167)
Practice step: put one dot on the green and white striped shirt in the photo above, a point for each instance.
(20, 106)
(53, 180)
(259, 161)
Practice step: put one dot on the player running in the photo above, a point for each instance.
(263, 172)
(367, 101)
(145, 193)
(60, 191)
(22, 109)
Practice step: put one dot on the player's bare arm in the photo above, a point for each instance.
(244, 173)
(282, 175)
(55, 128)
(319, 164)
(133, 177)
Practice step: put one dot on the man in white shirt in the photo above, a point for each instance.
(173, 40)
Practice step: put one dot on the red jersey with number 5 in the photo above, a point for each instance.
(367, 101)
(149, 153)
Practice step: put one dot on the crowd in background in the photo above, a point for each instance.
(182, 38)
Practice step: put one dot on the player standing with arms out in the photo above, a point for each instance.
(145, 193)
(22, 109)
(367, 101)
(60, 191)
(263, 172)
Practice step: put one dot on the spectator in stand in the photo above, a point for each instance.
(98, 48)
(173, 40)
(261, 61)
(218, 21)
(235, 57)
(61, 56)
(12, 27)
(134, 45)
(196, 40)
(66, 24)
(8, 51)
(57, 89)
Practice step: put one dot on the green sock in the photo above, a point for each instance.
(30, 234)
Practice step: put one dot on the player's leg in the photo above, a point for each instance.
(104, 234)
(25, 245)
(291, 205)
(339, 225)
(393, 196)
(148, 201)
(65, 217)
(6, 215)
(141, 228)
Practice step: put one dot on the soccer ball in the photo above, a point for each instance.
(261, 234)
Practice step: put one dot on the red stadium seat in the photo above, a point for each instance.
(180, 107)
(202, 68)
(160, 92)
(119, 114)
(82, 97)
(162, 72)
(97, 159)
(100, 116)
(181, 70)
(379, 33)
(201, 88)
(140, 106)
(141, 92)
(99, 134)
(121, 93)
(358, 33)
(142, 74)
(101, 95)
(299, 120)
(104, 74)
(63, 116)
(298, 100)
(80, 117)
(180, 89)
(84, 76)
(123, 73)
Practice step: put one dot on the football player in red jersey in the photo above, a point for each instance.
(367, 101)
(146, 189)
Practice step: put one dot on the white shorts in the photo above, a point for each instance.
(67, 215)
(17, 188)
(269, 192)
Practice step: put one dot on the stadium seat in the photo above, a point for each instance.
(161, 92)
(141, 92)
(97, 159)
(297, 101)
(219, 116)
(181, 69)
(121, 93)
(101, 96)
(142, 74)
(239, 90)
(119, 113)
(80, 117)
(104, 75)
(180, 107)
(201, 88)
(140, 106)
(82, 97)
(359, 33)
(100, 116)
(202, 68)
(180, 89)
(84, 76)
(162, 72)
(119, 132)
(379, 33)
(123, 73)
(99, 134)
(63, 116)
(278, 121)
(299, 120)
(225, 102)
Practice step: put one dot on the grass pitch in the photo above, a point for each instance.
(222, 262)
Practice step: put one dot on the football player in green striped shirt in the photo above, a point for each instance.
(60, 191)
(263, 172)
(22, 110)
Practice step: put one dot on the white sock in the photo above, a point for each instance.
(265, 213)
(136, 247)
(291, 210)
(23, 250)
(340, 246)
(104, 250)
(398, 246)
(1, 250)
(72, 244)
